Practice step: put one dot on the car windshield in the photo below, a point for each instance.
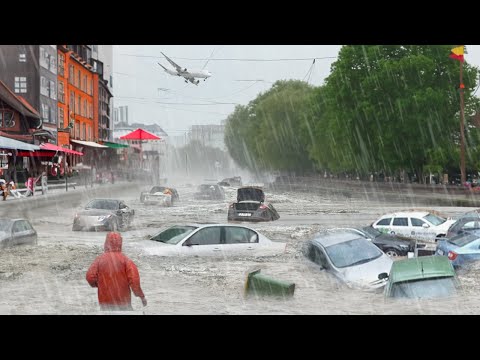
(5, 224)
(102, 204)
(174, 234)
(463, 239)
(425, 289)
(353, 252)
(203, 188)
(434, 219)
(372, 231)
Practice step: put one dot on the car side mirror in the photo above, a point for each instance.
(425, 226)
(382, 276)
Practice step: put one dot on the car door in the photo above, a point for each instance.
(421, 229)
(400, 226)
(240, 240)
(205, 242)
(383, 225)
(19, 233)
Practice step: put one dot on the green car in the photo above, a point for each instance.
(423, 277)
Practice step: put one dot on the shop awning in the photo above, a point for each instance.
(48, 146)
(89, 143)
(114, 145)
(46, 153)
(7, 143)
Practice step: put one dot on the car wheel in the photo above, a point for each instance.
(392, 252)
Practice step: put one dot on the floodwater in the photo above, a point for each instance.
(50, 278)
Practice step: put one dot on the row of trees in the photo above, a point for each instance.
(391, 109)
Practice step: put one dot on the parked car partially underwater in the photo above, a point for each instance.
(349, 257)
(16, 232)
(465, 223)
(461, 249)
(233, 181)
(210, 240)
(422, 278)
(209, 192)
(163, 195)
(251, 206)
(104, 214)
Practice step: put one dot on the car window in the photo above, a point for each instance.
(463, 239)
(385, 221)
(207, 236)
(353, 252)
(174, 234)
(417, 222)
(26, 225)
(470, 225)
(435, 220)
(237, 235)
(400, 221)
(102, 204)
(17, 227)
(424, 289)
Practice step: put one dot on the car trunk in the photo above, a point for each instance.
(247, 205)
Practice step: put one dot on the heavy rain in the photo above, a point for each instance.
(213, 162)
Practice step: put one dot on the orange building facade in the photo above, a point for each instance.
(77, 98)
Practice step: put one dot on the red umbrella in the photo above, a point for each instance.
(140, 134)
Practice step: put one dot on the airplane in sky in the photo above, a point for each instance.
(188, 75)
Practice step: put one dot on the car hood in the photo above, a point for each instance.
(446, 225)
(96, 212)
(366, 275)
(250, 194)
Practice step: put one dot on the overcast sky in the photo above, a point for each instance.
(153, 96)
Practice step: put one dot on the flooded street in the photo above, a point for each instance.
(50, 278)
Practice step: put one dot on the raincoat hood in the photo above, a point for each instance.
(113, 242)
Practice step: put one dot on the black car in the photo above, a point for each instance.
(233, 181)
(391, 245)
(251, 206)
(104, 214)
(155, 189)
(209, 192)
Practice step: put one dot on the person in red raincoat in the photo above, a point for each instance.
(114, 274)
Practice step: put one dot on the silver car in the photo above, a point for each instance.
(16, 232)
(351, 258)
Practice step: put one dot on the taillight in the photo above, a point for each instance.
(263, 207)
(452, 255)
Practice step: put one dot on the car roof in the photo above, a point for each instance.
(423, 267)
(208, 224)
(407, 214)
(253, 186)
(334, 236)
(105, 199)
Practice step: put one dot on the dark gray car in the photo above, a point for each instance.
(16, 232)
(209, 192)
(104, 214)
(251, 206)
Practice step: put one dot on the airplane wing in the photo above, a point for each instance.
(162, 66)
(178, 68)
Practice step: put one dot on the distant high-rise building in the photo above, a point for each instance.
(120, 115)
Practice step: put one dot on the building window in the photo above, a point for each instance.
(53, 90)
(20, 84)
(84, 87)
(77, 130)
(61, 64)
(91, 87)
(53, 115)
(44, 85)
(72, 101)
(61, 117)
(89, 133)
(53, 64)
(61, 92)
(22, 57)
(85, 108)
(79, 80)
(6, 119)
(71, 78)
(84, 130)
(77, 106)
(44, 58)
(45, 112)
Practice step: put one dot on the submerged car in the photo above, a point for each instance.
(251, 206)
(461, 249)
(104, 214)
(422, 278)
(467, 222)
(210, 240)
(233, 181)
(420, 225)
(209, 192)
(349, 257)
(163, 195)
(391, 245)
(16, 232)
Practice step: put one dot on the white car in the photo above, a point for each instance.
(416, 225)
(158, 198)
(210, 240)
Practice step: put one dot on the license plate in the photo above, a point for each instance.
(244, 214)
(441, 252)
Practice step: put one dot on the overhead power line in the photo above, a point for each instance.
(236, 59)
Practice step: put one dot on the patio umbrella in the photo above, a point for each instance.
(140, 134)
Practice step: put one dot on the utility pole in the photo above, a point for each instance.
(462, 127)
